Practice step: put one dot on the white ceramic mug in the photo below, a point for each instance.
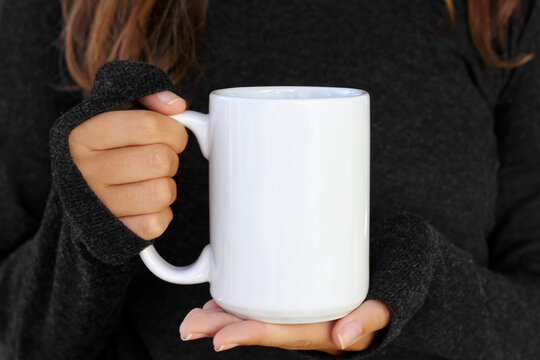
(289, 203)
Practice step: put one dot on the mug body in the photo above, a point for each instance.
(289, 202)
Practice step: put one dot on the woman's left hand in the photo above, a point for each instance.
(354, 332)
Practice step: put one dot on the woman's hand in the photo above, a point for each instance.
(128, 158)
(354, 332)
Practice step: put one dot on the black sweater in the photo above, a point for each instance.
(454, 142)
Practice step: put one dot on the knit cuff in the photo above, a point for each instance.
(404, 253)
(403, 256)
(98, 230)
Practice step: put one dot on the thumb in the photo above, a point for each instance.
(165, 102)
(356, 330)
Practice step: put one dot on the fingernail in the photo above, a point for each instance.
(168, 97)
(225, 347)
(192, 336)
(349, 334)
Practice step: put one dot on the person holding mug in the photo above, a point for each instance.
(91, 175)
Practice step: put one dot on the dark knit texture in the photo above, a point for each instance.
(115, 84)
(455, 198)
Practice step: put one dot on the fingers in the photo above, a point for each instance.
(149, 226)
(128, 158)
(115, 129)
(332, 337)
(286, 336)
(129, 164)
(205, 323)
(165, 102)
(145, 197)
(228, 329)
(357, 329)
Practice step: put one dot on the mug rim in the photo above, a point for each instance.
(320, 93)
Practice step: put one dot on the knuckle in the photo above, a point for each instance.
(151, 226)
(147, 123)
(172, 190)
(159, 159)
(163, 160)
(163, 191)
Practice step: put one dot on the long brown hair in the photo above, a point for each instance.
(488, 25)
(166, 33)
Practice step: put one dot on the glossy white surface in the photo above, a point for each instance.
(289, 202)
(196, 273)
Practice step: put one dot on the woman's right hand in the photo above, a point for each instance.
(128, 158)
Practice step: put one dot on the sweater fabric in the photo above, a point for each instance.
(455, 197)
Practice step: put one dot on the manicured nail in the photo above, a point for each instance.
(349, 334)
(168, 97)
(225, 347)
(192, 336)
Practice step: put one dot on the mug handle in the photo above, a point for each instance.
(199, 271)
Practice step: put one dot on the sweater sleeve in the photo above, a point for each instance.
(65, 266)
(442, 302)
